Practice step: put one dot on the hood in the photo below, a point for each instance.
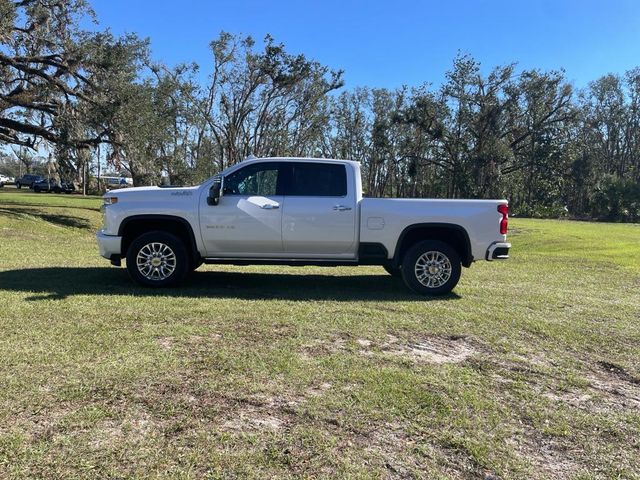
(133, 190)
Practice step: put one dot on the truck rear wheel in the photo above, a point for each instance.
(157, 259)
(431, 267)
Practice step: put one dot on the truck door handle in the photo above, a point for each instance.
(341, 208)
(270, 206)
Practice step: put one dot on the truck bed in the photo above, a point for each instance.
(382, 220)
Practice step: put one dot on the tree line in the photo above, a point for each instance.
(525, 135)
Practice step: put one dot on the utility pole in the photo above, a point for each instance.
(99, 161)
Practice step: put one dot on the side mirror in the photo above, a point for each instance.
(214, 191)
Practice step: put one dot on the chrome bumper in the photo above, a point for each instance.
(498, 251)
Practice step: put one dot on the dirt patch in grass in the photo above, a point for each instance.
(318, 390)
(423, 349)
(604, 388)
(548, 458)
(430, 349)
(618, 387)
(132, 429)
(251, 417)
(42, 425)
(574, 398)
(166, 343)
(191, 342)
(433, 349)
(390, 444)
(263, 412)
(320, 347)
(386, 446)
(609, 387)
(619, 372)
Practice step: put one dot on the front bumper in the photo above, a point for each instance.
(109, 245)
(498, 251)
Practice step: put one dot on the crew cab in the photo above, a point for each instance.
(297, 211)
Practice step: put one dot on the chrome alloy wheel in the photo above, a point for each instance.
(433, 269)
(156, 261)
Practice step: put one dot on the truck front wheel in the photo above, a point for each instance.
(431, 267)
(157, 259)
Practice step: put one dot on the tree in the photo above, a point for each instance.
(264, 103)
(27, 159)
(542, 121)
(607, 146)
(59, 85)
(43, 71)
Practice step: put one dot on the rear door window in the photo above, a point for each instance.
(317, 180)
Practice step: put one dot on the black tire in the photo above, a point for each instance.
(393, 271)
(435, 254)
(168, 249)
(18, 185)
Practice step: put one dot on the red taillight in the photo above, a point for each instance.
(504, 210)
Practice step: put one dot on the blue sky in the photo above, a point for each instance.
(391, 43)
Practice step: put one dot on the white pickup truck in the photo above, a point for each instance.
(297, 211)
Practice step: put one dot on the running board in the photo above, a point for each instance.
(290, 262)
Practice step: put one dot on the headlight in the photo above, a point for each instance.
(110, 200)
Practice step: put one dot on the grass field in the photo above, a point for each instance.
(530, 370)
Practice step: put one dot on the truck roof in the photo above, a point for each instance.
(300, 159)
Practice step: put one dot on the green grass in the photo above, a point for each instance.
(530, 370)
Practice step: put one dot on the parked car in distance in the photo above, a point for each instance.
(28, 180)
(65, 187)
(45, 185)
(298, 211)
(51, 186)
(6, 180)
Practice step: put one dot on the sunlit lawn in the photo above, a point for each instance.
(530, 370)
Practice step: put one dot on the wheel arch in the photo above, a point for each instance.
(450, 233)
(132, 227)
